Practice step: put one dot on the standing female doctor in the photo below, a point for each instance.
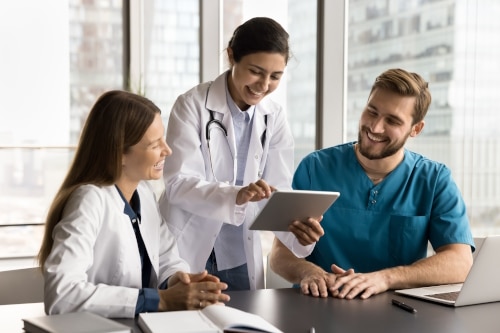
(234, 147)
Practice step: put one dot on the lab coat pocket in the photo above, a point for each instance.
(408, 237)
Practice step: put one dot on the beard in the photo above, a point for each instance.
(390, 149)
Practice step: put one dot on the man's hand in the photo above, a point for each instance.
(349, 284)
(307, 232)
(316, 283)
(343, 283)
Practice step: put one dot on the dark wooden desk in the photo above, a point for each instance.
(293, 312)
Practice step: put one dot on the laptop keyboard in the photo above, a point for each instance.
(450, 296)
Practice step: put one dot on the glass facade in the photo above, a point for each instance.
(74, 50)
(171, 47)
(451, 44)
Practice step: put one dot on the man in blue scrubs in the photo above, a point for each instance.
(392, 203)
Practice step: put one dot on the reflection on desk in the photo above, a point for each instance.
(293, 312)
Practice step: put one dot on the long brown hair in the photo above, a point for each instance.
(117, 121)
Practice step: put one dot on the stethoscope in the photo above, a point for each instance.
(213, 123)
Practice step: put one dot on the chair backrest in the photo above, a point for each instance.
(21, 286)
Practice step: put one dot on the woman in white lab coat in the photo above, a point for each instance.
(106, 248)
(233, 149)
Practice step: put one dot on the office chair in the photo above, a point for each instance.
(21, 286)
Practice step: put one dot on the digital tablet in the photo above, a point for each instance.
(284, 207)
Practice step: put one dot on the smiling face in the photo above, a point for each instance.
(145, 160)
(385, 125)
(255, 76)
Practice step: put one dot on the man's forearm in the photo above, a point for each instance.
(283, 262)
(450, 264)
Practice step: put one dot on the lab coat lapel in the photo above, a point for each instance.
(256, 152)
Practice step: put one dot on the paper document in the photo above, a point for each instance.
(212, 319)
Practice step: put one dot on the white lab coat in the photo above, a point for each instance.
(194, 204)
(95, 264)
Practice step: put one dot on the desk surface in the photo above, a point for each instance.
(293, 312)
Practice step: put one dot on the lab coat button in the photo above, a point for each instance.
(256, 156)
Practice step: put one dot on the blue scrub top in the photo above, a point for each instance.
(372, 227)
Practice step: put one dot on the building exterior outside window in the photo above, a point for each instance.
(451, 44)
(73, 50)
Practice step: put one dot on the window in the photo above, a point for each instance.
(452, 45)
(81, 52)
(60, 56)
(167, 54)
(71, 52)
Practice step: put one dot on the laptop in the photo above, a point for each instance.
(481, 285)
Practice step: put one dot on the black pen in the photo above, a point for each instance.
(404, 306)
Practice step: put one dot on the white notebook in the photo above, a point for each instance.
(212, 319)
